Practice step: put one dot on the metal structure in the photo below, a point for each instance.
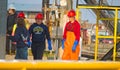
(115, 19)
(109, 25)
(69, 4)
(3, 23)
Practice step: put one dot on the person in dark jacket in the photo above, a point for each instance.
(21, 37)
(11, 20)
(39, 33)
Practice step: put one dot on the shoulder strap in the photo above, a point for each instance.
(24, 38)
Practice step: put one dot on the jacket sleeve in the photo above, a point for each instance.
(16, 37)
(31, 29)
(77, 31)
(47, 33)
(64, 34)
(14, 27)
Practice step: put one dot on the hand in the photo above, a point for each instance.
(29, 44)
(49, 45)
(74, 45)
(63, 43)
(7, 35)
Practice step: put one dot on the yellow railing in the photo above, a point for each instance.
(115, 19)
(57, 65)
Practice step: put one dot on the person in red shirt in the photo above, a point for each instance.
(71, 36)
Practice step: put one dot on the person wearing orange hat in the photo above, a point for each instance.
(71, 36)
(39, 33)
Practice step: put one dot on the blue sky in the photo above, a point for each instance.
(25, 1)
(86, 14)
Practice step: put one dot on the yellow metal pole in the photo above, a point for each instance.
(59, 65)
(24, 68)
(105, 36)
(77, 14)
(115, 33)
(96, 41)
(98, 7)
(106, 18)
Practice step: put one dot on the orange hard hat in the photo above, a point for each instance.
(21, 15)
(39, 16)
(71, 13)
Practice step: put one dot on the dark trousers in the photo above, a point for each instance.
(8, 48)
(7, 45)
(8, 42)
(37, 50)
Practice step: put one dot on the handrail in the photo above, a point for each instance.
(59, 65)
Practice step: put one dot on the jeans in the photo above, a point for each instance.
(22, 53)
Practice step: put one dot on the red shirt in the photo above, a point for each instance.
(73, 27)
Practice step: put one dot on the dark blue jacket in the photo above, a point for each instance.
(18, 38)
(39, 33)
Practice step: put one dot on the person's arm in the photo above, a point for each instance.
(7, 23)
(14, 27)
(28, 41)
(77, 35)
(31, 29)
(77, 31)
(48, 38)
(47, 33)
(16, 37)
(64, 34)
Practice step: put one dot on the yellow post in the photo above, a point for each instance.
(24, 68)
(77, 14)
(96, 41)
(59, 65)
(98, 18)
(115, 33)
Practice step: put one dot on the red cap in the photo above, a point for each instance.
(71, 13)
(21, 15)
(39, 16)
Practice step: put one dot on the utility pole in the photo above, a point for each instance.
(3, 24)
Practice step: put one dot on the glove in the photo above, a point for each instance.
(29, 44)
(75, 45)
(63, 43)
(49, 45)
